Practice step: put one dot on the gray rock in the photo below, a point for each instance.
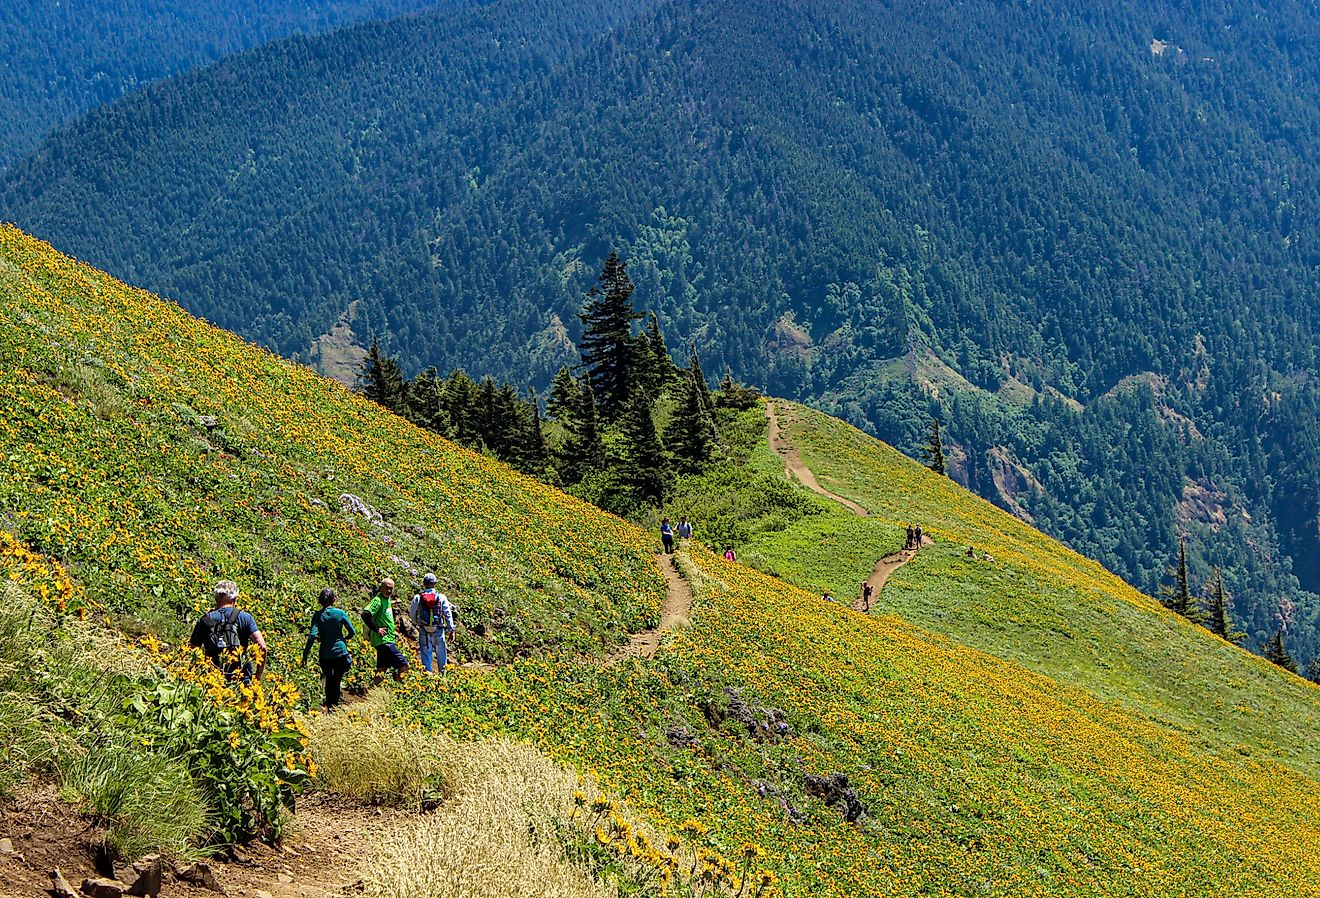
(59, 886)
(6, 846)
(201, 874)
(103, 888)
(354, 505)
(151, 874)
(210, 422)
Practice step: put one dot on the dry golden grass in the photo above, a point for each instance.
(361, 753)
(497, 836)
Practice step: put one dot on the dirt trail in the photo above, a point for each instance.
(674, 610)
(884, 569)
(322, 855)
(795, 469)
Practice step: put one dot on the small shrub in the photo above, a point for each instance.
(147, 801)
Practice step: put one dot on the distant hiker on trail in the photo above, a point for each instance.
(826, 596)
(971, 552)
(379, 617)
(332, 628)
(434, 617)
(684, 528)
(911, 538)
(225, 632)
(729, 554)
(667, 536)
(916, 537)
(867, 589)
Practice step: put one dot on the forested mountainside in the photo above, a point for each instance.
(843, 753)
(61, 59)
(1078, 235)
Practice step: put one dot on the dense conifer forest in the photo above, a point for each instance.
(1082, 238)
(61, 59)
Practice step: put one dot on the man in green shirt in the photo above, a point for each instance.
(379, 615)
(333, 629)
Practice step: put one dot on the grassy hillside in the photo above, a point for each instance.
(1037, 602)
(977, 776)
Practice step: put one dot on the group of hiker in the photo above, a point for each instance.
(684, 531)
(225, 633)
(914, 538)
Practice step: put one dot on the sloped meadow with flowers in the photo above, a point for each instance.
(779, 744)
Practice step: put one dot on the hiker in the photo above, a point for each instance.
(434, 617)
(826, 596)
(971, 552)
(667, 536)
(729, 554)
(225, 632)
(916, 537)
(379, 617)
(333, 629)
(911, 537)
(684, 528)
(867, 589)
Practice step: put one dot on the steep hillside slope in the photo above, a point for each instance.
(1023, 596)
(972, 775)
(64, 58)
(993, 212)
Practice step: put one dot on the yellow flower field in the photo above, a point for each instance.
(963, 773)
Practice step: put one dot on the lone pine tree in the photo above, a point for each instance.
(1276, 652)
(1217, 618)
(1179, 596)
(608, 348)
(934, 451)
(382, 380)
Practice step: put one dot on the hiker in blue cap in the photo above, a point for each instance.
(433, 614)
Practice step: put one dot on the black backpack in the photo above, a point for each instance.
(222, 632)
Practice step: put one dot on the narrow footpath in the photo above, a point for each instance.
(794, 469)
(674, 610)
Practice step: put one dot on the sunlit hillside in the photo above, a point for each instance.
(847, 754)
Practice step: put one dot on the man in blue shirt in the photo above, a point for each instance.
(225, 632)
(333, 628)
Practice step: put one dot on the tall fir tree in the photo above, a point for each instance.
(533, 452)
(1178, 597)
(935, 448)
(662, 372)
(1275, 651)
(645, 469)
(382, 380)
(608, 348)
(424, 407)
(699, 377)
(583, 450)
(458, 400)
(690, 437)
(565, 393)
(1218, 619)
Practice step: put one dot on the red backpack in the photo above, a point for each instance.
(428, 608)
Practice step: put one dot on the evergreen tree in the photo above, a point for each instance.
(644, 471)
(382, 380)
(583, 450)
(1218, 619)
(532, 450)
(935, 448)
(608, 348)
(662, 372)
(735, 395)
(1179, 597)
(1313, 670)
(565, 393)
(690, 436)
(1276, 652)
(699, 377)
(458, 401)
(424, 407)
